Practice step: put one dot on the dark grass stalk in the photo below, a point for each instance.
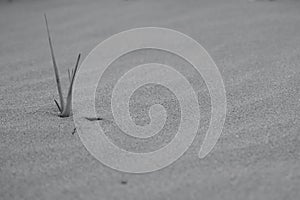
(67, 111)
(61, 99)
(65, 108)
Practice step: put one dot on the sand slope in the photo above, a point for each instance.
(256, 46)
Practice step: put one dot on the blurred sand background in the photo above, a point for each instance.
(256, 46)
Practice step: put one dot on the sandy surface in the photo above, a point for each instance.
(256, 46)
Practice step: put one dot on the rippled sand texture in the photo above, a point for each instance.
(256, 46)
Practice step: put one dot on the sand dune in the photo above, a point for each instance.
(256, 46)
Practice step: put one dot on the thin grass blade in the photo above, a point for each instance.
(55, 67)
(57, 105)
(68, 107)
(69, 75)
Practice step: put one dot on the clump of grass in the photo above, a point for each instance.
(65, 108)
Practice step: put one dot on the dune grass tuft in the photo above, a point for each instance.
(65, 108)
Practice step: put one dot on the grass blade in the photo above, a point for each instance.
(68, 108)
(57, 105)
(69, 75)
(55, 67)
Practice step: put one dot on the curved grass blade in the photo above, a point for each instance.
(57, 105)
(55, 67)
(68, 107)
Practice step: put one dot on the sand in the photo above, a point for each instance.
(256, 46)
